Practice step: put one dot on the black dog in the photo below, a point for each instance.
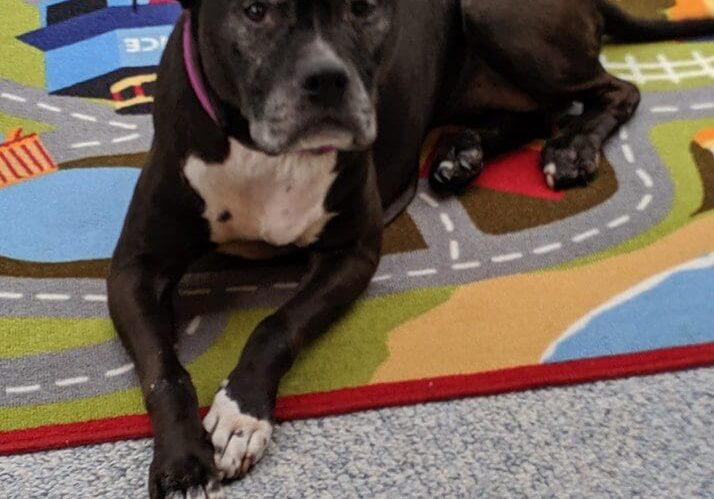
(266, 119)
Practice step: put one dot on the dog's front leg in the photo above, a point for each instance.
(240, 420)
(183, 456)
(162, 236)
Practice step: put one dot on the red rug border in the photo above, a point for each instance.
(385, 395)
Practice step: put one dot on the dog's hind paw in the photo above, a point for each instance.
(458, 163)
(239, 440)
(570, 162)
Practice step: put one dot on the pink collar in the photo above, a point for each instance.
(194, 75)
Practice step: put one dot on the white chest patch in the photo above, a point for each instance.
(252, 197)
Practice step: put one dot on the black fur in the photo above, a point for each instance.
(503, 69)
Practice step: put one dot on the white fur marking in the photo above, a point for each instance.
(239, 440)
(255, 197)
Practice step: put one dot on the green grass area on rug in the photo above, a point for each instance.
(8, 123)
(359, 341)
(19, 17)
(31, 336)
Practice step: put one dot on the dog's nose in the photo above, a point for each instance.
(326, 85)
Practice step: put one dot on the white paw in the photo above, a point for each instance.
(239, 440)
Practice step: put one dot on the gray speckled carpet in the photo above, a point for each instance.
(644, 437)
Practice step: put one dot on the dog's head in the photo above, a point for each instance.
(302, 72)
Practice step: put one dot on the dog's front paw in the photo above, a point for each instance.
(184, 471)
(570, 163)
(239, 440)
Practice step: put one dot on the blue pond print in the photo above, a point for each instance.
(70, 215)
(670, 310)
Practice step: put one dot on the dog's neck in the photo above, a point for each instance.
(195, 76)
(229, 119)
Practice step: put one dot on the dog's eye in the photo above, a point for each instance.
(256, 12)
(362, 8)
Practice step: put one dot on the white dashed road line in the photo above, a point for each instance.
(82, 145)
(422, 273)
(126, 138)
(12, 97)
(702, 106)
(645, 203)
(125, 126)
(193, 326)
(454, 250)
(467, 266)
(84, 117)
(95, 298)
(550, 248)
(646, 178)
(619, 222)
(448, 223)
(11, 296)
(18, 390)
(507, 258)
(664, 109)
(113, 373)
(580, 238)
(71, 381)
(629, 154)
(429, 200)
(48, 107)
(52, 297)
(382, 278)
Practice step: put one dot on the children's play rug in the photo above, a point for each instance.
(509, 287)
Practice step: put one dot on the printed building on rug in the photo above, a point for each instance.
(113, 49)
(23, 158)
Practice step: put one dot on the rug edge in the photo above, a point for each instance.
(385, 395)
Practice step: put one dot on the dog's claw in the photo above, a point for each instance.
(246, 464)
